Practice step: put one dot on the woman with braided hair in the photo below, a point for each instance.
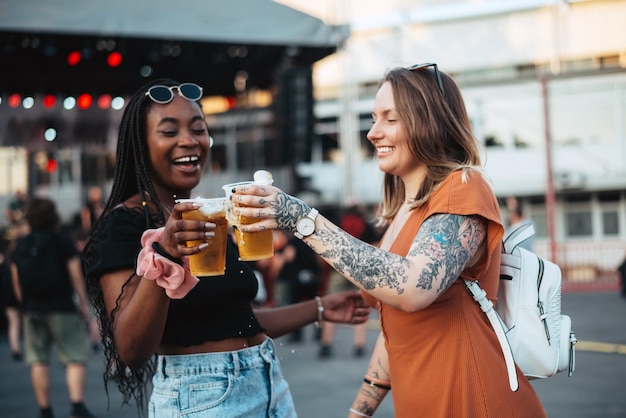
(207, 351)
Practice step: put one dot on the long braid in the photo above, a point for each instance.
(132, 176)
(142, 170)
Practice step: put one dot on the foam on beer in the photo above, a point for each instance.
(209, 205)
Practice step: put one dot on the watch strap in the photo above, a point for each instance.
(313, 214)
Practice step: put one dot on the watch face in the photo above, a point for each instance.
(306, 226)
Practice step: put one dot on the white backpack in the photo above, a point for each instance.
(527, 320)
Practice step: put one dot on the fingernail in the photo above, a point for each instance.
(203, 245)
(234, 189)
(196, 204)
(209, 234)
(209, 225)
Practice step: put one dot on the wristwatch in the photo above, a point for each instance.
(305, 226)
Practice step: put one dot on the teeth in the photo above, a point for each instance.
(191, 159)
(385, 149)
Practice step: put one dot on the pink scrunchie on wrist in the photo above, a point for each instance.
(174, 278)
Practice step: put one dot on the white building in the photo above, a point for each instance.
(533, 73)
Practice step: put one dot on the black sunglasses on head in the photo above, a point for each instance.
(418, 67)
(165, 94)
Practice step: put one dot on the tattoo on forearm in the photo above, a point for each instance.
(451, 241)
(363, 262)
(365, 408)
(374, 393)
(376, 374)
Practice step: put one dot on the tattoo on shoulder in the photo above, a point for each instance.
(450, 241)
(363, 262)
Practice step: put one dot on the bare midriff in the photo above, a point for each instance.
(230, 344)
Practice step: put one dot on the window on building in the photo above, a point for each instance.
(509, 116)
(577, 198)
(218, 160)
(609, 196)
(512, 115)
(573, 105)
(610, 223)
(538, 216)
(578, 224)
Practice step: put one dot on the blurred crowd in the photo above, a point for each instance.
(293, 274)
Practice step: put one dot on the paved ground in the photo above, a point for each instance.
(325, 388)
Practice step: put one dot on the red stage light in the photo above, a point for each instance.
(51, 165)
(49, 100)
(114, 59)
(104, 101)
(73, 58)
(14, 100)
(84, 101)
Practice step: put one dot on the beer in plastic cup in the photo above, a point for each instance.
(252, 245)
(211, 261)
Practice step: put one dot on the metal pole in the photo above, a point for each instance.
(348, 139)
(349, 143)
(550, 193)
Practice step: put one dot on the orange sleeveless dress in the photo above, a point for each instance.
(445, 360)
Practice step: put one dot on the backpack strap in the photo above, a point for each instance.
(517, 236)
(480, 296)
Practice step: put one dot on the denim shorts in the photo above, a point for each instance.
(245, 383)
(67, 330)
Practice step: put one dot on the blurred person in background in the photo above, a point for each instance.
(93, 208)
(622, 275)
(354, 221)
(47, 275)
(11, 305)
(89, 214)
(516, 219)
(299, 275)
(80, 239)
(17, 228)
(269, 269)
(15, 209)
(14, 213)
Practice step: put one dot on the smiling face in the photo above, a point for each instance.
(178, 145)
(390, 138)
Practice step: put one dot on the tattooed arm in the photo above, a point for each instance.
(444, 246)
(370, 396)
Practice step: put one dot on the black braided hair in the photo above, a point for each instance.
(132, 176)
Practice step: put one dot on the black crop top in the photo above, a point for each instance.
(217, 308)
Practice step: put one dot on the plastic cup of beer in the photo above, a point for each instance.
(252, 245)
(211, 261)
